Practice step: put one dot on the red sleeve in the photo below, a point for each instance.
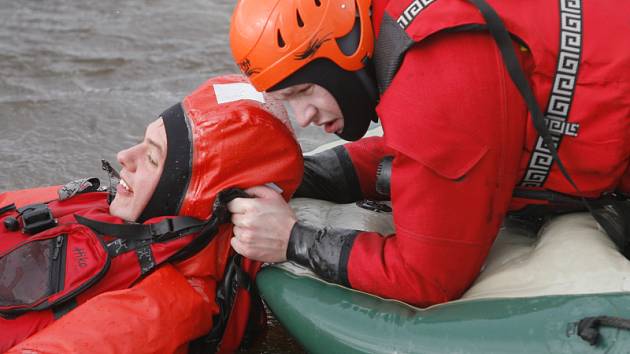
(457, 124)
(366, 154)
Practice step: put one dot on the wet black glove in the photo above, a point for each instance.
(323, 250)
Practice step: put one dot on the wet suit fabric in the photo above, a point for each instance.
(462, 139)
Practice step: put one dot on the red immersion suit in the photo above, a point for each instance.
(236, 143)
(463, 140)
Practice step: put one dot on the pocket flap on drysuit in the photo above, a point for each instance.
(448, 151)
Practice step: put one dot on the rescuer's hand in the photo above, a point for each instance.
(262, 225)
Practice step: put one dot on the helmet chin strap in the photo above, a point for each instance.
(349, 45)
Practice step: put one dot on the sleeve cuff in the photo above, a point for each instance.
(326, 251)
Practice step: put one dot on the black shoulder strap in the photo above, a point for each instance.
(393, 43)
(504, 43)
(611, 217)
(164, 229)
(171, 227)
(234, 278)
(389, 50)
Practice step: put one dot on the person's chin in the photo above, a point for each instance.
(118, 209)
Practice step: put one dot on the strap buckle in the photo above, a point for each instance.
(164, 229)
(37, 218)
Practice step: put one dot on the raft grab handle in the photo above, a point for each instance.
(588, 328)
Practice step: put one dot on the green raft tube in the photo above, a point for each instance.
(531, 296)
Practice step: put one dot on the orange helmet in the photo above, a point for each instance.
(281, 43)
(271, 39)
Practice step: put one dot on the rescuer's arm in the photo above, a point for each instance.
(344, 174)
(459, 150)
(161, 314)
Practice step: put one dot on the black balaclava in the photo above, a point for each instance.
(355, 91)
(171, 189)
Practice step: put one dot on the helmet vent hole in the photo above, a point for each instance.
(318, 3)
(299, 19)
(281, 42)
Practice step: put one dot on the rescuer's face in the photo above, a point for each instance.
(142, 166)
(312, 104)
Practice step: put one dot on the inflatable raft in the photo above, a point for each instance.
(537, 293)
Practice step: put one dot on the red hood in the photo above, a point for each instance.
(236, 144)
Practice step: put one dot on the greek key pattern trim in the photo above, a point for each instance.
(561, 96)
(412, 11)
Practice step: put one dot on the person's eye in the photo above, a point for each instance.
(152, 161)
(307, 89)
(287, 94)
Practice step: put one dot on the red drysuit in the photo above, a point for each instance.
(462, 138)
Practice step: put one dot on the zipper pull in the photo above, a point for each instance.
(58, 245)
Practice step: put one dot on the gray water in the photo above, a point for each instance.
(81, 79)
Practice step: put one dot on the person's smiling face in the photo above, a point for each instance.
(312, 104)
(142, 166)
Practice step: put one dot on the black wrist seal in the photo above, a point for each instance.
(323, 250)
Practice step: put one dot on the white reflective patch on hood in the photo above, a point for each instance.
(236, 91)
